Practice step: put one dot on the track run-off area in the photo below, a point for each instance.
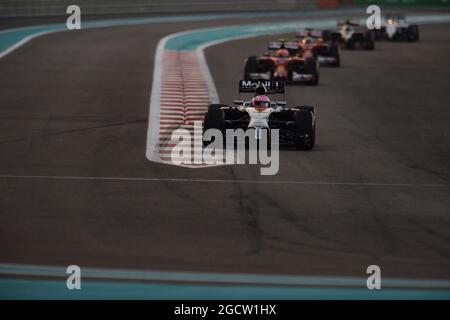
(78, 134)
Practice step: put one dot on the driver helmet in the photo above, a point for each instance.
(261, 101)
(307, 42)
(282, 53)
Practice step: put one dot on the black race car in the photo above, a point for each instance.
(297, 125)
(351, 35)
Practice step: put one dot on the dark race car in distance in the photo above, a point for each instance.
(351, 35)
(395, 27)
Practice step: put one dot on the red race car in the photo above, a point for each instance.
(285, 62)
(326, 52)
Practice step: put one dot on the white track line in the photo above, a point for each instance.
(269, 182)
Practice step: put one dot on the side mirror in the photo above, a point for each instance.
(238, 102)
(281, 104)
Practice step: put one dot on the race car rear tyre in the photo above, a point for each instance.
(370, 45)
(305, 128)
(214, 119)
(311, 68)
(369, 38)
(334, 52)
(348, 45)
(326, 35)
(413, 33)
(251, 66)
(379, 34)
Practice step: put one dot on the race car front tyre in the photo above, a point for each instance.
(305, 128)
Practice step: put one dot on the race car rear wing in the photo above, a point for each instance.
(289, 45)
(348, 22)
(395, 16)
(272, 86)
(309, 33)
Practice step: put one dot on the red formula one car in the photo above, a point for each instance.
(288, 63)
(325, 52)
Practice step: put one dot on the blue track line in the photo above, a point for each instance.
(47, 282)
(56, 289)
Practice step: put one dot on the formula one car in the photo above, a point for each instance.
(326, 53)
(350, 36)
(286, 64)
(396, 28)
(297, 125)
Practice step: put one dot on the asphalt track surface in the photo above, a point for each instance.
(374, 192)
